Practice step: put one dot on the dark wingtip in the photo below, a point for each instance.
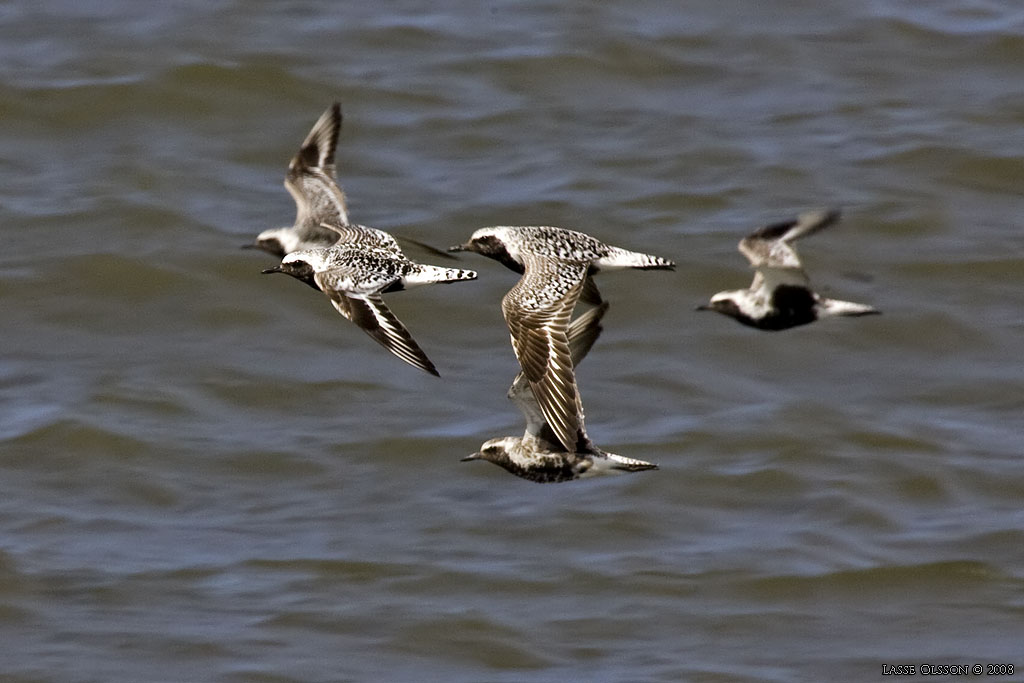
(440, 253)
(774, 230)
(424, 364)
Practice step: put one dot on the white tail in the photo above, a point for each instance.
(837, 307)
(617, 464)
(623, 258)
(425, 275)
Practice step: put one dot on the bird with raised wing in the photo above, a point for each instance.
(538, 455)
(355, 277)
(321, 218)
(312, 183)
(780, 297)
(556, 266)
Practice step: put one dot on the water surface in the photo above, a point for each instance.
(208, 475)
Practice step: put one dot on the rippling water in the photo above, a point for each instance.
(209, 475)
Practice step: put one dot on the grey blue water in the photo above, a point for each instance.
(206, 474)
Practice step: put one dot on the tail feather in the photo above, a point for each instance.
(425, 275)
(620, 462)
(849, 308)
(623, 258)
(609, 463)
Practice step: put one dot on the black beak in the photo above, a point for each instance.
(702, 307)
(471, 456)
(250, 245)
(275, 269)
(458, 247)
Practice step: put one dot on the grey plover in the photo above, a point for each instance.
(312, 183)
(538, 455)
(780, 296)
(556, 265)
(507, 244)
(354, 277)
(321, 218)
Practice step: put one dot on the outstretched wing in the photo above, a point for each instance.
(376, 319)
(537, 310)
(581, 334)
(311, 176)
(771, 252)
(771, 245)
(370, 313)
(584, 331)
(590, 295)
(318, 148)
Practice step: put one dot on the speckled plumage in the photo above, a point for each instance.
(538, 455)
(557, 265)
(510, 244)
(780, 297)
(363, 236)
(354, 278)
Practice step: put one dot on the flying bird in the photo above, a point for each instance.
(312, 183)
(321, 217)
(780, 296)
(355, 277)
(538, 454)
(557, 265)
